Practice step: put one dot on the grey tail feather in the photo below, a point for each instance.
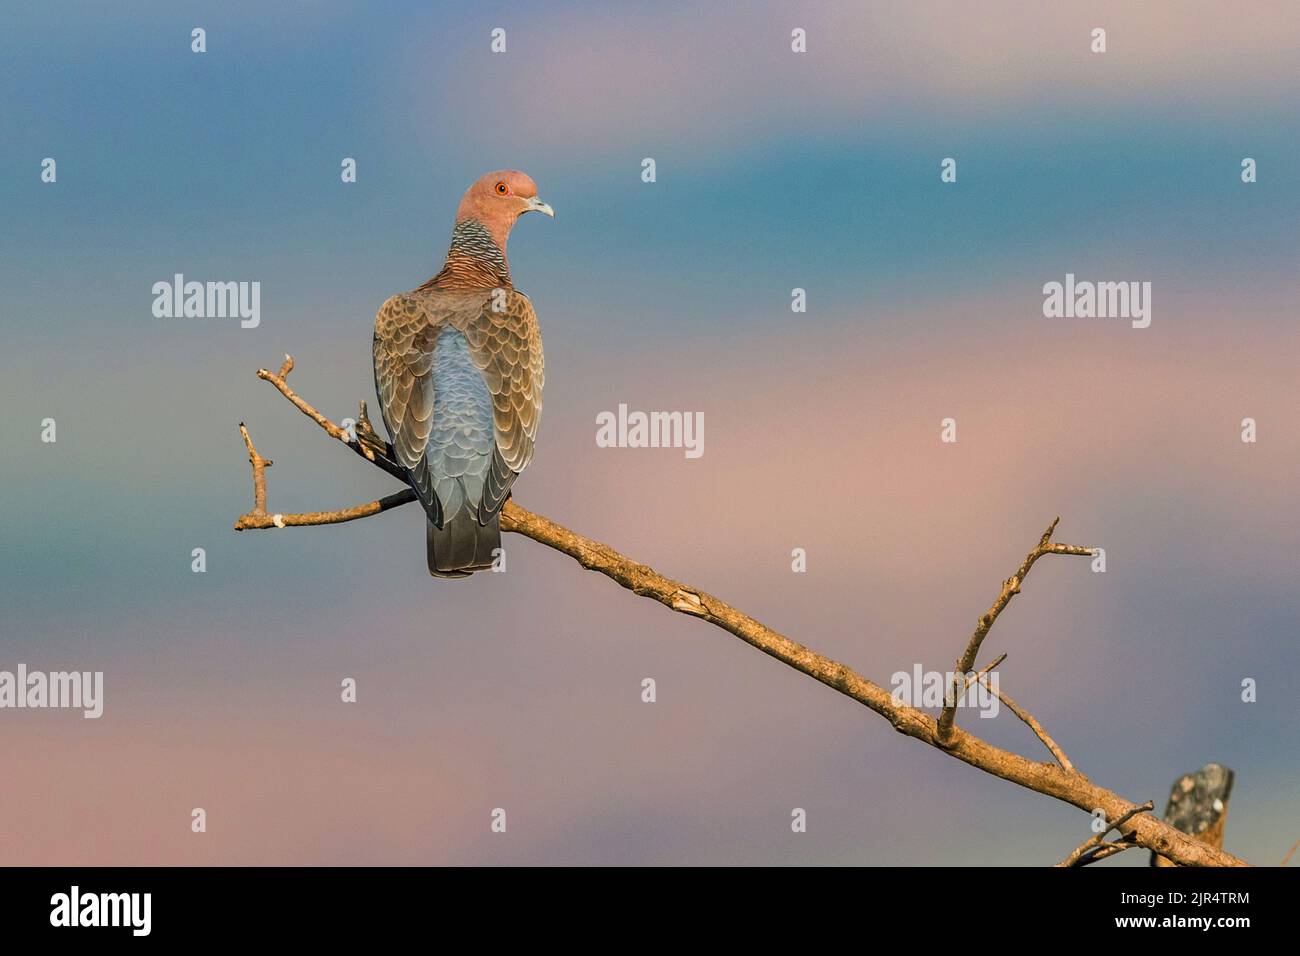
(462, 545)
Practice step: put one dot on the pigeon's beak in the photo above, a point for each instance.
(536, 205)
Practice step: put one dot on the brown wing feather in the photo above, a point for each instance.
(506, 346)
(403, 351)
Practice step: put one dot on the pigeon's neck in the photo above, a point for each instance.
(476, 260)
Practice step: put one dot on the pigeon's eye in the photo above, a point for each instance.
(502, 188)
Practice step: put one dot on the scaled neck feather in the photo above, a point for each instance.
(474, 261)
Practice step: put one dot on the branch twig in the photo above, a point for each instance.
(972, 678)
(1287, 859)
(1105, 850)
(1045, 778)
(1025, 716)
(1094, 849)
(1010, 588)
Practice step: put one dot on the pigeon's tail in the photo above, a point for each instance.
(462, 545)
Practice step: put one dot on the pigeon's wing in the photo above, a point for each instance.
(506, 346)
(405, 333)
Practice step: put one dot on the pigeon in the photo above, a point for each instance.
(458, 374)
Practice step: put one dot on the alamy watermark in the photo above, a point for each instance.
(935, 689)
(179, 299)
(634, 429)
(83, 690)
(130, 910)
(1099, 300)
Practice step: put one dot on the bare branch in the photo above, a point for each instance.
(1025, 716)
(260, 519)
(365, 448)
(1020, 712)
(1049, 779)
(1289, 853)
(972, 678)
(279, 381)
(1103, 851)
(1010, 588)
(367, 444)
(1088, 851)
(1045, 778)
(260, 465)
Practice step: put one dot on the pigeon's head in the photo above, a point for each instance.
(497, 199)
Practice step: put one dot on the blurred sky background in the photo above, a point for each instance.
(775, 170)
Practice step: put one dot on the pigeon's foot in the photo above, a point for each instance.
(368, 438)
